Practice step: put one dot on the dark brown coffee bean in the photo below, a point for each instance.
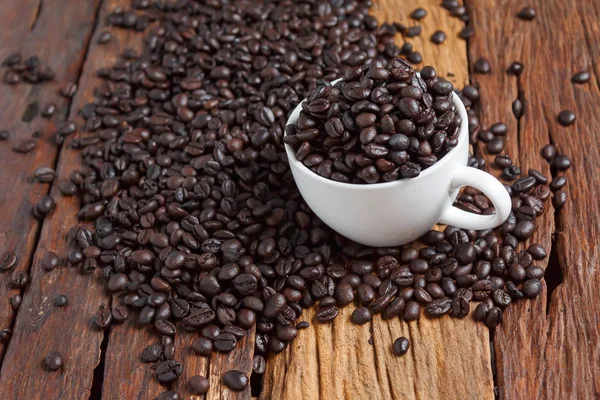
(482, 66)
(69, 90)
(44, 174)
(24, 146)
(412, 311)
(361, 316)
(566, 117)
(581, 77)
(493, 318)
(53, 361)
(168, 371)
(104, 37)
(198, 384)
(496, 145)
(235, 380)
(61, 300)
(561, 162)
(225, 342)
(515, 68)
(152, 353)
(418, 14)
(202, 346)
(401, 346)
(8, 261)
(438, 37)
(527, 13)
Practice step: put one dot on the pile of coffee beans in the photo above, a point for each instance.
(30, 70)
(381, 123)
(197, 222)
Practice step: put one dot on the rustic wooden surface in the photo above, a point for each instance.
(546, 348)
(22, 28)
(335, 360)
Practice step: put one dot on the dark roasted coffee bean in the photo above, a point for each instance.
(566, 117)
(24, 146)
(49, 261)
(8, 261)
(152, 353)
(527, 13)
(499, 128)
(581, 77)
(69, 90)
(482, 66)
(168, 371)
(198, 384)
(61, 300)
(103, 318)
(225, 342)
(439, 307)
(438, 37)
(235, 380)
(168, 395)
(202, 346)
(44, 174)
(104, 37)
(412, 311)
(53, 361)
(493, 318)
(516, 68)
(361, 316)
(561, 162)
(418, 14)
(413, 31)
(401, 346)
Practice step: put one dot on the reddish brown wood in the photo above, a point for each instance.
(239, 359)
(554, 355)
(125, 376)
(59, 38)
(192, 363)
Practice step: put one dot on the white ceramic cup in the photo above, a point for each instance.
(394, 213)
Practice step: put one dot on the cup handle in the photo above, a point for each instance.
(491, 187)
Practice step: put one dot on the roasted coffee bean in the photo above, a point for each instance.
(225, 342)
(413, 31)
(119, 314)
(53, 361)
(202, 346)
(412, 311)
(69, 90)
(168, 395)
(561, 162)
(496, 145)
(361, 316)
(439, 307)
(8, 261)
(44, 174)
(418, 14)
(493, 318)
(168, 371)
(467, 32)
(438, 37)
(61, 300)
(401, 346)
(198, 384)
(581, 77)
(527, 13)
(516, 68)
(152, 353)
(558, 183)
(49, 261)
(566, 117)
(482, 66)
(235, 380)
(103, 317)
(24, 146)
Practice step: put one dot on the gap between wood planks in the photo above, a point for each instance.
(58, 151)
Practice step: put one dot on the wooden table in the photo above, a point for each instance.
(547, 348)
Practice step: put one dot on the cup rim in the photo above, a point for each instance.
(463, 134)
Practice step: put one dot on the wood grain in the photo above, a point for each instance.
(59, 38)
(239, 359)
(554, 352)
(192, 363)
(335, 361)
(125, 376)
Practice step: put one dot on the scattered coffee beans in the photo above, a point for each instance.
(29, 70)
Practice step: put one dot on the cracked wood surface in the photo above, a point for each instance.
(336, 361)
(69, 30)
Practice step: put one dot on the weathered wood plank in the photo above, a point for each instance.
(239, 359)
(336, 360)
(59, 38)
(192, 363)
(553, 356)
(125, 376)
